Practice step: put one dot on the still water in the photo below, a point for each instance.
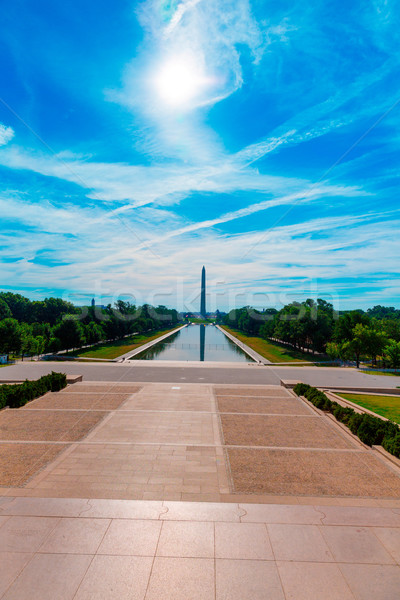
(196, 342)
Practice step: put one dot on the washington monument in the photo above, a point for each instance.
(203, 293)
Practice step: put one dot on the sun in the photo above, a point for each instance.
(180, 82)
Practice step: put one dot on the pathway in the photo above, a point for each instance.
(186, 442)
(334, 535)
(200, 372)
(75, 549)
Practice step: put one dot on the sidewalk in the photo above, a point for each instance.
(84, 549)
(192, 492)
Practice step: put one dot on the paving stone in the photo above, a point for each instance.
(49, 576)
(298, 543)
(390, 539)
(200, 511)
(242, 541)
(349, 515)
(25, 534)
(181, 579)
(76, 536)
(186, 539)
(11, 564)
(116, 577)
(239, 579)
(373, 582)
(355, 545)
(131, 537)
(309, 581)
(280, 513)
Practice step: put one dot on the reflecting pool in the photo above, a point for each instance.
(196, 342)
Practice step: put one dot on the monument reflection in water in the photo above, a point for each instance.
(202, 341)
(196, 342)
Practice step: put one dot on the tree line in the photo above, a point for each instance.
(315, 326)
(36, 327)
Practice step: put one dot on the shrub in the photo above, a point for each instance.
(301, 388)
(392, 444)
(16, 395)
(354, 422)
(371, 430)
(328, 405)
(391, 429)
(342, 413)
(339, 412)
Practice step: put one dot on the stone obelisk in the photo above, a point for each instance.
(203, 293)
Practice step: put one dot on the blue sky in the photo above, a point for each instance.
(139, 141)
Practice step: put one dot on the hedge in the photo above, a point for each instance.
(17, 395)
(371, 430)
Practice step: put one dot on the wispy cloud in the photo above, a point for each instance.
(57, 252)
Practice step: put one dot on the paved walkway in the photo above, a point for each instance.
(186, 442)
(103, 520)
(108, 549)
(200, 372)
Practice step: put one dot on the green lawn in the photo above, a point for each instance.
(386, 406)
(114, 349)
(201, 321)
(272, 351)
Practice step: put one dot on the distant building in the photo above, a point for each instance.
(203, 293)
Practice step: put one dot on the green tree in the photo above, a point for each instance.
(10, 336)
(365, 341)
(93, 333)
(39, 344)
(384, 312)
(375, 342)
(19, 305)
(334, 350)
(5, 312)
(26, 345)
(392, 353)
(70, 333)
(391, 327)
(344, 328)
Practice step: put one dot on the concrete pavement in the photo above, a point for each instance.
(97, 545)
(192, 442)
(199, 372)
(133, 550)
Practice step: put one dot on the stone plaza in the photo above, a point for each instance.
(120, 489)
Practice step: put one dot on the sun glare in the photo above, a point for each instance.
(179, 82)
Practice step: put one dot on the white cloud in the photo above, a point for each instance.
(90, 252)
(136, 185)
(6, 134)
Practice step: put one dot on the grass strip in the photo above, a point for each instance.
(272, 351)
(114, 349)
(386, 406)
